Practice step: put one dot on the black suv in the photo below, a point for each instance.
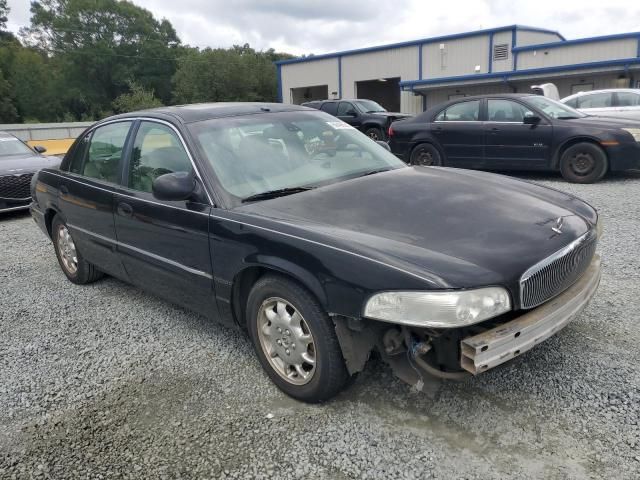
(366, 115)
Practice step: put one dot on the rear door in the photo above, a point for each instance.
(86, 194)
(627, 105)
(164, 245)
(596, 103)
(460, 133)
(509, 143)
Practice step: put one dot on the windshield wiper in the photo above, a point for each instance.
(281, 192)
(373, 172)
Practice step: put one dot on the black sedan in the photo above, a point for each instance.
(18, 163)
(518, 132)
(291, 225)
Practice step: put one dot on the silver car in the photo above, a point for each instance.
(18, 163)
(619, 102)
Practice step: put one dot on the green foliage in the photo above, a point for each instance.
(137, 99)
(86, 59)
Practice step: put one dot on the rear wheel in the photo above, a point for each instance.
(426, 155)
(295, 340)
(583, 163)
(374, 133)
(74, 266)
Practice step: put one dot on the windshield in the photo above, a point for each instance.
(254, 154)
(554, 109)
(12, 146)
(368, 106)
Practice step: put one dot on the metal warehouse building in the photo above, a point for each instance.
(412, 76)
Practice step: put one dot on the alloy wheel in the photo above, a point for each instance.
(67, 249)
(286, 340)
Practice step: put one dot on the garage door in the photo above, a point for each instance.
(385, 91)
(306, 94)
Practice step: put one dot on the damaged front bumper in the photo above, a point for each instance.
(491, 348)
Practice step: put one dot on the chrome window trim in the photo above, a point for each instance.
(163, 122)
(144, 252)
(69, 176)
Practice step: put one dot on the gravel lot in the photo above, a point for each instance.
(105, 381)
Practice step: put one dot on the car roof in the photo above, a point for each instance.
(206, 111)
(605, 90)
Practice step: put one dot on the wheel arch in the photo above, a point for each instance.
(244, 280)
(557, 156)
(50, 212)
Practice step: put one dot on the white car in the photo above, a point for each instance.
(620, 102)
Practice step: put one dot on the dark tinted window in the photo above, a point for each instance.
(506, 111)
(344, 108)
(331, 108)
(78, 154)
(460, 112)
(156, 151)
(105, 152)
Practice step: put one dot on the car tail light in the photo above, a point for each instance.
(390, 132)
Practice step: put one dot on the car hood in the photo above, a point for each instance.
(460, 228)
(604, 122)
(28, 163)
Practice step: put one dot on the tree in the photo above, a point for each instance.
(4, 11)
(8, 113)
(102, 45)
(137, 99)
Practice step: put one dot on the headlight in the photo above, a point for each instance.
(438, 309)
(635, 133)
(599, 227)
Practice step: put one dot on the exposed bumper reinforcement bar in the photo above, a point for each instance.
(489, 349)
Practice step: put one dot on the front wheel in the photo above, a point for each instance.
(583, 163)
(426, 155)
(295, 340)
(374, 134)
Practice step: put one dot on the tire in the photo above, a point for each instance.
(425, 155)
(73, 265)
(375, 134)
(583, 163)
(298, 330)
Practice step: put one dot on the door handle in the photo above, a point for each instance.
(439, 129)
(64, 190)
(125, 209)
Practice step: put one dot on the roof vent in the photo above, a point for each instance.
(501, 52)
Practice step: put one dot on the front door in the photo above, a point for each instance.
(86, 194)
(509, 142)
(459, 132)
(163, 245)
(348, 113)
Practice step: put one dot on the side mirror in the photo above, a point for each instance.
(385, 145)
(174, 186)
(40, 149)
(531, 120)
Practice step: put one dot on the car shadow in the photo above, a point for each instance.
(14, 215)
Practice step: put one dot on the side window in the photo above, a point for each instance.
(156, 151)
(344, 108)
(573, 103)
(331, 108)
(628, 99)
(506, 111)
(596, 100)
(78, 155)
(105, 152)
(461, 112)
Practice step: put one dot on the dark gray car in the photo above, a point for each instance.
(18, 163)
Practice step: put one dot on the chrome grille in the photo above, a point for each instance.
(15, 187)
(558, 272)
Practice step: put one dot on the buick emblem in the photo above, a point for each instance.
(557, 228)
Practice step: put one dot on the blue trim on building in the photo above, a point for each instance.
(339, 77)
(490, 64)
(413, 43)
(514, 43)
(279, 77)
(546, 46)
(516, 73)
(420, 61)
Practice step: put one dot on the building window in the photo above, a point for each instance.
(501, 52)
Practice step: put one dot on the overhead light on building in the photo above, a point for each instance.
(477, 68)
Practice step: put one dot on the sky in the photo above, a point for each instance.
(305, 27)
